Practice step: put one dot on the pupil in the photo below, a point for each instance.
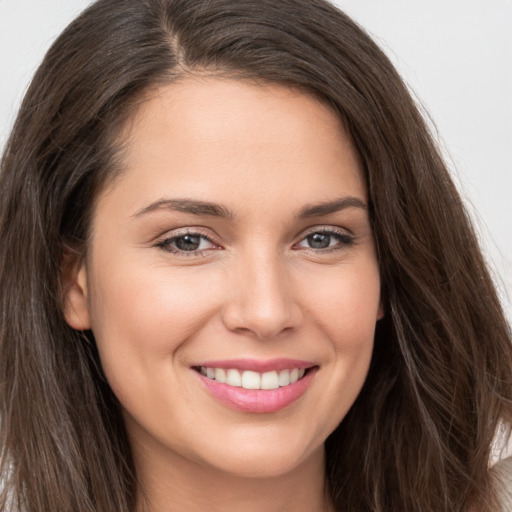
(188, 242)
(319, 241)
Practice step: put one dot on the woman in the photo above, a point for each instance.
(235, 275)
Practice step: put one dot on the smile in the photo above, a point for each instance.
(253, 386)
(248, 379)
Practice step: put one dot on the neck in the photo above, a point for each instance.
(171, 483)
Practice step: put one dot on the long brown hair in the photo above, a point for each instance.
(418, 437)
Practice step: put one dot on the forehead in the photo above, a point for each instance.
(204, 137)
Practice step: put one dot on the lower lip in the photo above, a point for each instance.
(258, 400)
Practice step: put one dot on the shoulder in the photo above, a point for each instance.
(502, 480)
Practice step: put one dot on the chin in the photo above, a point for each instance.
(266, 458)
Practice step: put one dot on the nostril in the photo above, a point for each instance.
(261, 309)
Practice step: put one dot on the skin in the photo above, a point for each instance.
(255, 288)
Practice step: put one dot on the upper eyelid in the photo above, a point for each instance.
(196, 230)
(214, 239)
(165, 243)
(324, 228)
(333, 231)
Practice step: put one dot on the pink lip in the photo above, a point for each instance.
(257, 400)
(259, 366)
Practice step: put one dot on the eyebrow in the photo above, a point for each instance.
(206, 208)
(187, 206)
(321, 209)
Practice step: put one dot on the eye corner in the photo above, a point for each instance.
(187, 243)
(323, 238)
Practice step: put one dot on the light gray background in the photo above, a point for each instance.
(455, 54)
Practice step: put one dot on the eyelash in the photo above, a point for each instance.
(344, 240)
(165, 244)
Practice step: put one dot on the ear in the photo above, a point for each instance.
(380, 311)
(74, 289)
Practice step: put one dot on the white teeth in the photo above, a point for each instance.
(294, 375)
(233, 378)
(269, 380)
(253, 380)
(220, 375)
(284, 377)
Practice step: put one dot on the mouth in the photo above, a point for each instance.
(248, 379)
(256, 387)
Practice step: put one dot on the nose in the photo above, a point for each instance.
(261, 299)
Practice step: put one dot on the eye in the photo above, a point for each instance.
(187, 243)
(326, 239)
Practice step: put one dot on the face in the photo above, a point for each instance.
(231, 282)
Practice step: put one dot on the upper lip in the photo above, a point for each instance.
(258, 365)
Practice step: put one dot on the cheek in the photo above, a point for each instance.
(346, 310)
(346, 304)
(142, 323)
(149, 299)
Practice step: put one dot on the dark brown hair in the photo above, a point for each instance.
(418, 437)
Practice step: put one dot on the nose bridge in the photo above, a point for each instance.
(262, 300)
